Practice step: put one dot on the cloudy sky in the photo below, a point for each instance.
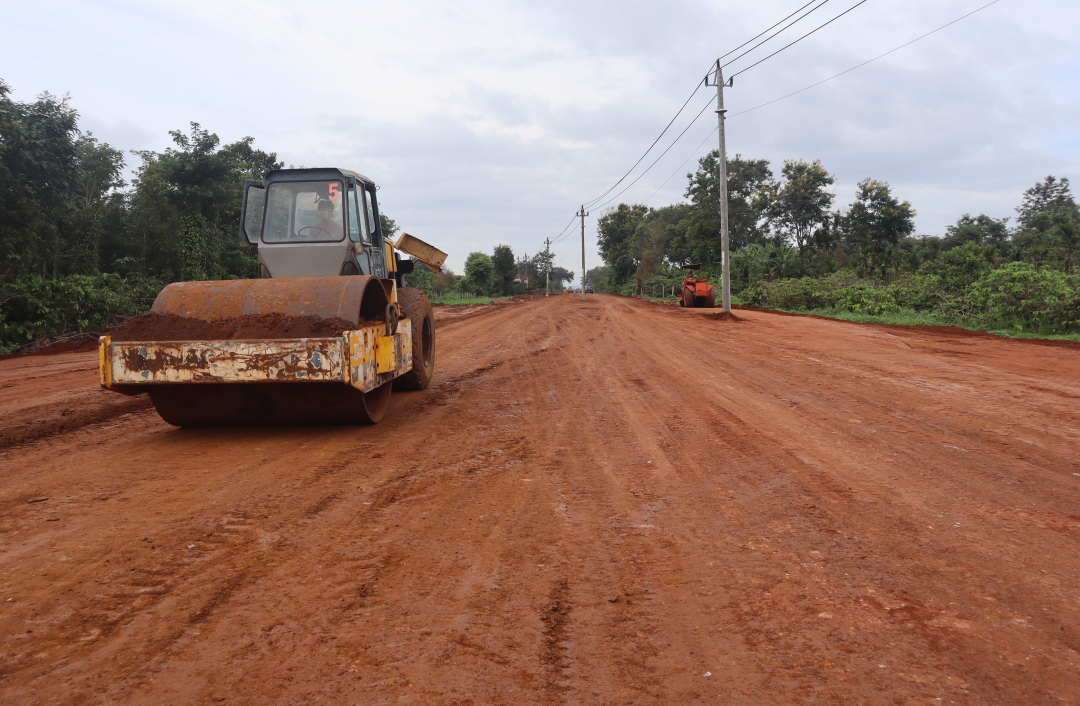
(489, 122)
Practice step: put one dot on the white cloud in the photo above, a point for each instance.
(488, 122)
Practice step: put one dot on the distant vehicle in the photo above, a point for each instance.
(588, 289)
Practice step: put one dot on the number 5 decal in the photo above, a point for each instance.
(335, 190)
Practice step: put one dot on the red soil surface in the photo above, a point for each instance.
(603, 502)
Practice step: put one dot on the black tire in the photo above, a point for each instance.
(416, 307)
(269, 404)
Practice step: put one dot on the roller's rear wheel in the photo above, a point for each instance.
(416, 306)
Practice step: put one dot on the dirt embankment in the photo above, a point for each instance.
(603, 502)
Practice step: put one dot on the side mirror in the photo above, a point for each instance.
(251, 212)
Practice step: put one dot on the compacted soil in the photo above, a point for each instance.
(601, 502)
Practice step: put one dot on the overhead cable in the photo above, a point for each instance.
(778, 23)
(592, 202)
(868, 61)
(646, 171)
(662, 133)
(700, 145)
(822, 26)
(772, 36)
(813, 85)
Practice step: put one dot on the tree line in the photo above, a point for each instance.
(82, 248)
(787, 238)
(501, 273)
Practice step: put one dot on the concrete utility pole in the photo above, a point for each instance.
(547, 267)
(725, 266)
(582, 214)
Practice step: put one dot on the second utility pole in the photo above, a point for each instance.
(547, 267)
(582, 214)
(725, 266)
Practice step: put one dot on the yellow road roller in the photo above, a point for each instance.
(322, 337)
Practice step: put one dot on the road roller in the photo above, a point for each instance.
(322, 336)
(696, 292)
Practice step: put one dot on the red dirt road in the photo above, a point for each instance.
(607, 502)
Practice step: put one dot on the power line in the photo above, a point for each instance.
(868, 61)
(660, 157)
(700, 145)
(813, 85)
(770, 28)
(592, 203)
(698, 87)
(773, 35)
(742, 71)
(662, 133)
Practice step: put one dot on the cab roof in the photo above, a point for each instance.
(316, 174)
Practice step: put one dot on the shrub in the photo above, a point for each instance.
(33, 307)
(1022, 293)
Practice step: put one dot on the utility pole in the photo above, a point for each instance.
(725, 266)
(547, 267)
(582, 214)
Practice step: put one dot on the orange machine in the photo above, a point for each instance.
(696, 291)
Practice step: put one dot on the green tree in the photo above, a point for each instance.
(600, 278)
(957, 268)
(388, 225)
(981, 230)
(560, 275)
(38, 156)
(1049, 223)
(747, 180)
(96, 199)
(479, 270)
(798, 206)
(504, 268)
(187, 200)
(615, 237)
(1049, 195)
(876, 221)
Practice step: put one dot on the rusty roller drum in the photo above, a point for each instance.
(355, 299)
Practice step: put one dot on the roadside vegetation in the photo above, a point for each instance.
(81, 248)
(499, 274)
(461, 301)
(792, 251)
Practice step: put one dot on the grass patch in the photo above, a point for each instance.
(904, 317)
(1017, 333)
(910, 317)
(462, 302)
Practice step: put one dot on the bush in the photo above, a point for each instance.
(33, 307)
(800, 294)
(1023, 294)
(1018, 294)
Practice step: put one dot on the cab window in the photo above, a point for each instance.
(308, 211)
(357, 224)
(370, 211)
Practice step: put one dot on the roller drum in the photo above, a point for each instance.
(353, 299)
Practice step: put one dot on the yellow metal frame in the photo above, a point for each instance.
(364, 358)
